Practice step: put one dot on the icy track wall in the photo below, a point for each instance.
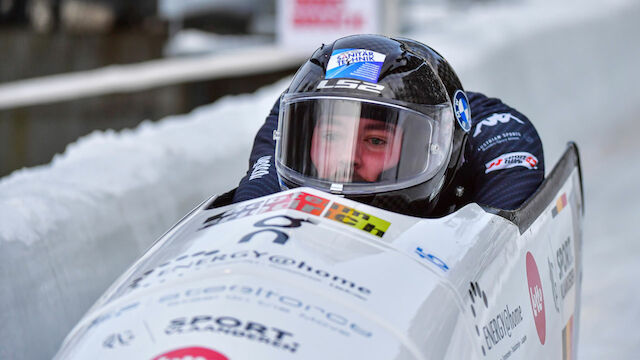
(70, 228)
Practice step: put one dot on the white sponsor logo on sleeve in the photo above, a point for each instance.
(509, 160)
(260, 168)
(495, 119)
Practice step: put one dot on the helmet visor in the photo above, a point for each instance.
(356, 146)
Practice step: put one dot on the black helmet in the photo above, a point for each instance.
(379, 120)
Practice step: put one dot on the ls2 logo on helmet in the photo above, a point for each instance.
(350, 84)
(461, 108)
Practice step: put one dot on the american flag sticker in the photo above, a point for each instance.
(561, 203)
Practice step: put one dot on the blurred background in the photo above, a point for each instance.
(118, 117)
(40, 38)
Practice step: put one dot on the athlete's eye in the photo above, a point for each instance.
(377, 141)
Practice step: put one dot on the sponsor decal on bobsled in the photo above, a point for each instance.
(536, 297)
(563, 280)
(561, 203)
(555, 290)
(306, 203)
(493, 120)
(186, 264)
(316, 314)
(191, 353)
(113, 314)
(499, 326)
(253, 208)
(309, 204)
(357, 219)
(432, 259)
(119, 339)
(565, 261)
(236, 327)
(510, 160)
(361, 64)
(567, 341)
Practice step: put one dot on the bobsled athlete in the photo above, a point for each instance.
(386, 122)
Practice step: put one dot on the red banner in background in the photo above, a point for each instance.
(327, 13)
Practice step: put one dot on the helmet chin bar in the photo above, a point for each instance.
(336, 188)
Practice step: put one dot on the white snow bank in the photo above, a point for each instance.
(186, 156)
(68, 229)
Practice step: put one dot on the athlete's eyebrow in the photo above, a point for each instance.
(332, 121)
(380, 125)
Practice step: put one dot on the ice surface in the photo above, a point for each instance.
(69, 228)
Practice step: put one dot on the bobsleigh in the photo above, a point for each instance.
(304, 274)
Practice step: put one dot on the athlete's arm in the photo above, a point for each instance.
(261, 178)
(504, 152)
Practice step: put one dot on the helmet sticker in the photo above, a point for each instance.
(358, 64)
(461, 109)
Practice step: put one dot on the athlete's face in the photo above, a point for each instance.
(343, 150)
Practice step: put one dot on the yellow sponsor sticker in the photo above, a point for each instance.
(357, 219)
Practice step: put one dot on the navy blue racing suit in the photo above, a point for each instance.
(503, 159)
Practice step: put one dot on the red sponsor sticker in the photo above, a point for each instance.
(531, 160)
(536, 296)
(191, 353)
(309, 204)
(325, 13)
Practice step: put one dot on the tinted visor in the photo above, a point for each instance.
(354, 146)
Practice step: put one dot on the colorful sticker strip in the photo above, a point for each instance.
(357, 219)
(567, 340)
(560, 204)
(306, 203)
(309, 204)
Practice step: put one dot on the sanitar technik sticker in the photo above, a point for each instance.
(359, 64)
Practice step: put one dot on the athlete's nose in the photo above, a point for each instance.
(347, 161)
(350, 159)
